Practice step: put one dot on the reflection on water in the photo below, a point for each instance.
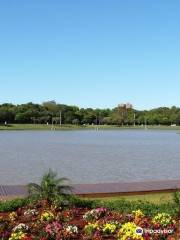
(90, 156)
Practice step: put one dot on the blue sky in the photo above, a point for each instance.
(93, 53)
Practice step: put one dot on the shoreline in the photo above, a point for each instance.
(102, 189)
(45, 127)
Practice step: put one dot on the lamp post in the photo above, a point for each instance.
(60, 118)
(134, 119)
(145, 123)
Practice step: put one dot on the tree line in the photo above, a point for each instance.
(52, 112)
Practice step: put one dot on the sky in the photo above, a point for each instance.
(93, 53)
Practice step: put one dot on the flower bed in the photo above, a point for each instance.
(43, 221)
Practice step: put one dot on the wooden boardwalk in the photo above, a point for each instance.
(130, 188)
(102, 189)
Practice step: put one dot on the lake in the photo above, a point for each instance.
(90, 156)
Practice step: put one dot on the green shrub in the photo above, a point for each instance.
(123, 206)
(83, 203)
(126, 207)
(176, 200)
(12, 205)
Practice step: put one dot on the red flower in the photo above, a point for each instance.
(27, 238)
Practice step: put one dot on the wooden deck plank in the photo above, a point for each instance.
(104, 189)
(134, 187)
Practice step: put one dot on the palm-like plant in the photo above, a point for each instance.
(50, 187)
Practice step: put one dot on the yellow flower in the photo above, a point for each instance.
(163, 218)
(47, 216)
(138, 213)
(109, 228)
(17, 235)
(128, 231)
(13, 216)
(90, 228)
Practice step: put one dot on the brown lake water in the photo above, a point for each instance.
(90, 156)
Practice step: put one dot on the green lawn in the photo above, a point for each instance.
(39, 127)
(74, 127)
(154, 197)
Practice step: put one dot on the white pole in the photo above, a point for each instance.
(60, 118)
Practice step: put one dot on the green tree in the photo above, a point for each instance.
(7, 113)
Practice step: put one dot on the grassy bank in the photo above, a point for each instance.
(149, 205)
(152, 198)
(79, 127)
(39, 127)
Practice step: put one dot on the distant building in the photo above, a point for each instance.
(125, 105)
(129, 106)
